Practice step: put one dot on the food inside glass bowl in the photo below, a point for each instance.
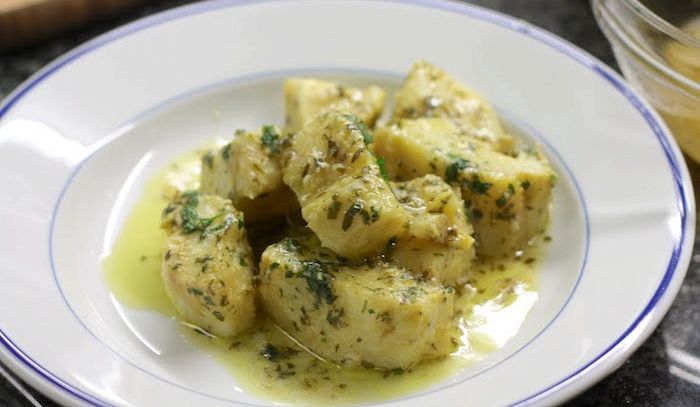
(685, 120)
(657, 44)
(343, 258)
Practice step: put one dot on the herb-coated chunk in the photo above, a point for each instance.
(355, 216)
(207, 265)
(340, 188)
(305, 98)
(506, 198)
(247, 171)
(429, 91)
(354, 314)
(438, 242)
(332, 146)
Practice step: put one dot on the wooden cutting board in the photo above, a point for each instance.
(23, 22)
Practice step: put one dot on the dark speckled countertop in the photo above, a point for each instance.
(665, 371)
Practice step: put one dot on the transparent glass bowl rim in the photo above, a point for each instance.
(662, 25)
(668, 29)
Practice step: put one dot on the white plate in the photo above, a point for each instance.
(79, 138)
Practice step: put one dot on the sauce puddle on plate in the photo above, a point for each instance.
(489, 310)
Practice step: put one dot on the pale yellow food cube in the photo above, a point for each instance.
(305, 98)
(354, 314)
(356, 216)
(438, 243)
(507, 198)
(207, 267)
(429, 91)
(247, 171)
(339, 186)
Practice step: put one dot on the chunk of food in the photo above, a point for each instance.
(354, 313)
(207, 268)
(247, 171)
(429, 91)
(305, 98)
(438, 243)
(507, 198)
(343, 196)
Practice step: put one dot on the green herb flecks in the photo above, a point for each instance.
(335, 317)
(221, 227)
(274, 354)
(195, 291)
(357, 124)
(353, 210)
(382, 168)
(318, 281)
(168, 210)
(190, 218)
(366, 135)
(191, 222)
(292, 245)
(226, 151)
(477, 186)
(209, 159)
(271, 139)
(452, 171)
(334, 209)
(503, 199)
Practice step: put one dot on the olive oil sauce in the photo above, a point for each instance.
(489, 310)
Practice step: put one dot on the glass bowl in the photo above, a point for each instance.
(657, 45)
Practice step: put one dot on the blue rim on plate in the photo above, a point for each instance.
(489, 16)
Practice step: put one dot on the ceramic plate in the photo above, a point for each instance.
(79, 139)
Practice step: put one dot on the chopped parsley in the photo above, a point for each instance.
(209, 159)
(389, 248)
(195, 291)
(271, 139)
(334, 209)
(452, 170)
(292, 245)
(168, 209)
(318, 280)
(503, 199)
(190, 218)
(357, 124)
(477, 186)
(369, 217)
(335, 317)
(366, 135)
(382, 168)
(273, 354)
(353, 210)
(226, 151)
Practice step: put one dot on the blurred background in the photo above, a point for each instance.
(655, 43)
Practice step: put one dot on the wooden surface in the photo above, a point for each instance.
(23, 22)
